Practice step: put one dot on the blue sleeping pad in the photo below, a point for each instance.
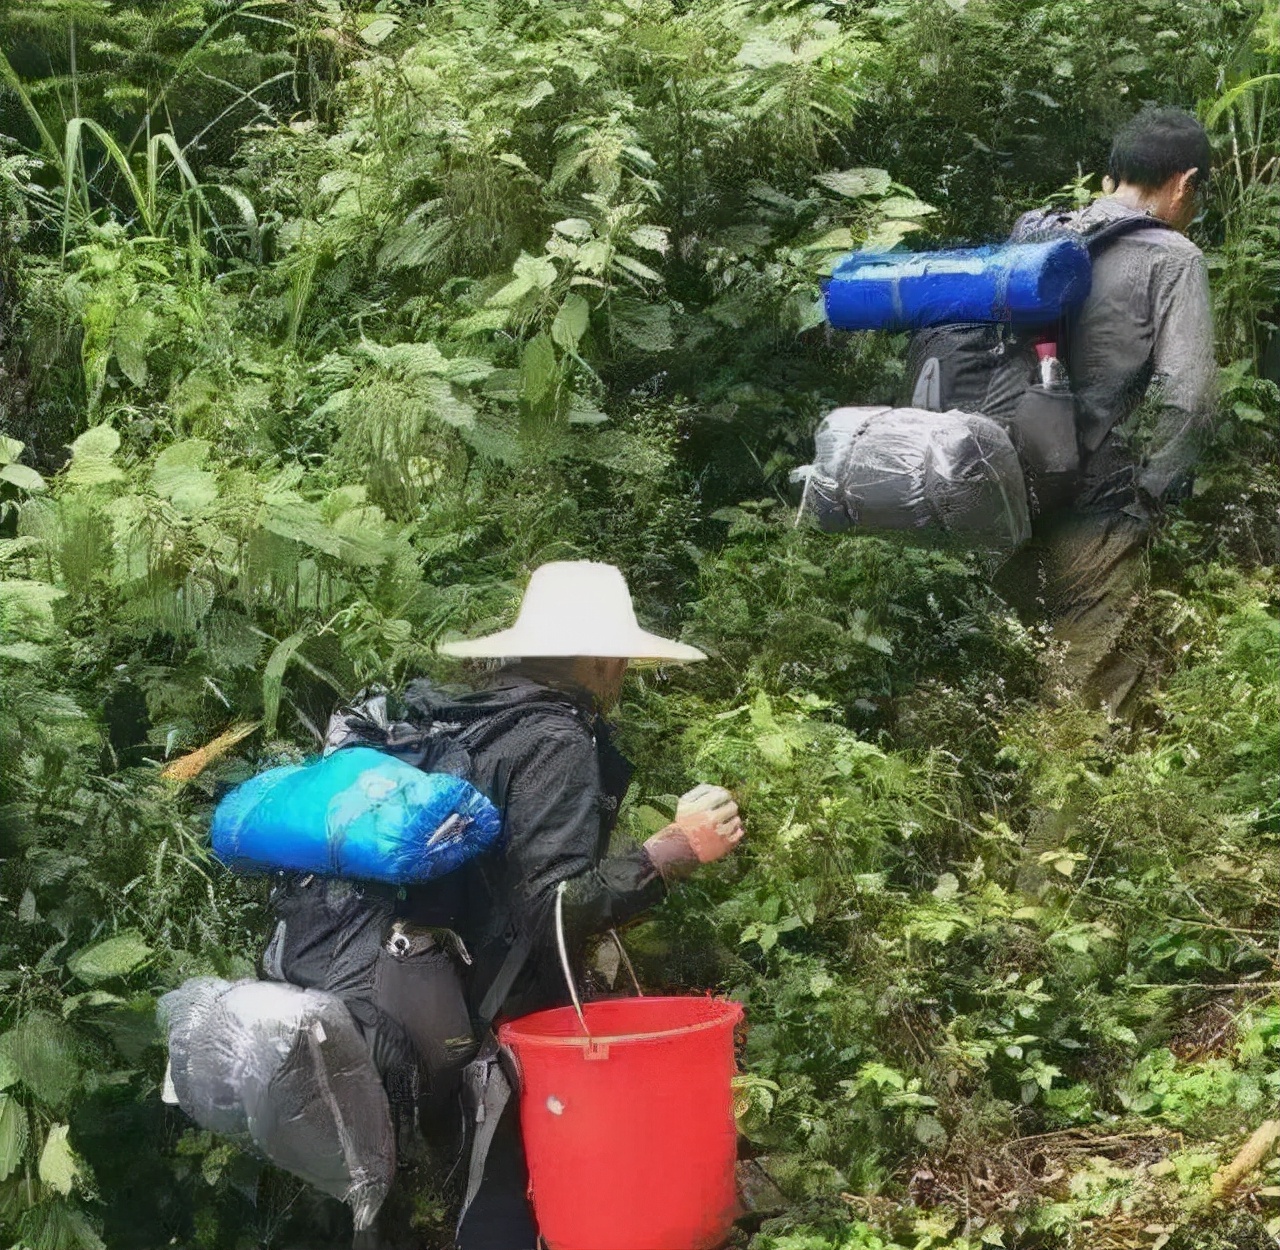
(1026, 283)
(359, 814)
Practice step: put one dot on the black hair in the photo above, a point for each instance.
(1158, 144)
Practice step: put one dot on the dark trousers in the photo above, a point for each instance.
(500, 1217)
(1084, 572)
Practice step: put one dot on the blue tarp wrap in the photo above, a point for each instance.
(359, 814)
(1029, 283)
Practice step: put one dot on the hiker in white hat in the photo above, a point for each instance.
(537, 744)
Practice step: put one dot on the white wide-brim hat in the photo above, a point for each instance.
(570, 608)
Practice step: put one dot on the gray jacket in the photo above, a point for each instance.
(1144, 333)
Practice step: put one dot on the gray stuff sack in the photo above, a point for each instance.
(881, 469)
(285, 1071)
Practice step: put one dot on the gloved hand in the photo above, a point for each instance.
(707, 826)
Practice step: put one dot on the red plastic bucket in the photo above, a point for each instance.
(629, 1133)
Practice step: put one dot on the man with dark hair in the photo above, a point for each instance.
(1140, 356)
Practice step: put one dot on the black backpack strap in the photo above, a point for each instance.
(1102, 238)
(501, 984)
(1046, 225)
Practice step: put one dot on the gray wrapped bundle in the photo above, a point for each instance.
(909, 469)
(284, 1070)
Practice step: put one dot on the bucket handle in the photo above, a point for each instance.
(564, 957)
(626, 961)
(563, 948)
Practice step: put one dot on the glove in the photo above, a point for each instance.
(706, 828)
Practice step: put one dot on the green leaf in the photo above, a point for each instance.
(41, 1052)
(570, 323)
(485, 321)
(467, 370)
(248, 216)
(532, 273)
(904, 206)
(131, 339)
(837, 240)
(583, 412)
(380, 28)
(448, 406)
(636, 268)
(653, 238)
(273, 678)
(116, 957)
(23, 653)
(1246, 412)
(1228, 100)
(535, 95)
(412, 360)
(23, 477)
(539, 370)
(93, 456)
(761, 52)
(90, 999)
(888, 234)
(574, 228)
(855, 184)
(646, 327)
(512, 293)
(178, 477)
(13, 1134)
(928, 1131)
(10, 449)
(58, 1167)
(26, 609)
(290, 516)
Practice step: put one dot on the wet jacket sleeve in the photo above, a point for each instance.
(553, 821)
(1183, 377)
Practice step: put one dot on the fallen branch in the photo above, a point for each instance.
(188, 767)
(1252, 1153)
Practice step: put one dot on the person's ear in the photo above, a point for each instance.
(1187, 185)
(1180, 199)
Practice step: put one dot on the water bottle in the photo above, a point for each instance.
(1053, 375)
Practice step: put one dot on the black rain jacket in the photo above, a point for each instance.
(549, 763)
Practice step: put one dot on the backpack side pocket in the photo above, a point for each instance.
(419, 985)
(1043, 429)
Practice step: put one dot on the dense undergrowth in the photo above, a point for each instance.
(322, 323)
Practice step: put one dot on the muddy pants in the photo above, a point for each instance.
(1084, 572)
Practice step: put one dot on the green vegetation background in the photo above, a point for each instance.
(322, 322)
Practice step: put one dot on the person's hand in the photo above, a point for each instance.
(708, 818)
(706, 828)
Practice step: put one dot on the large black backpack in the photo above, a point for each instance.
(405, 984)
(991, 369)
